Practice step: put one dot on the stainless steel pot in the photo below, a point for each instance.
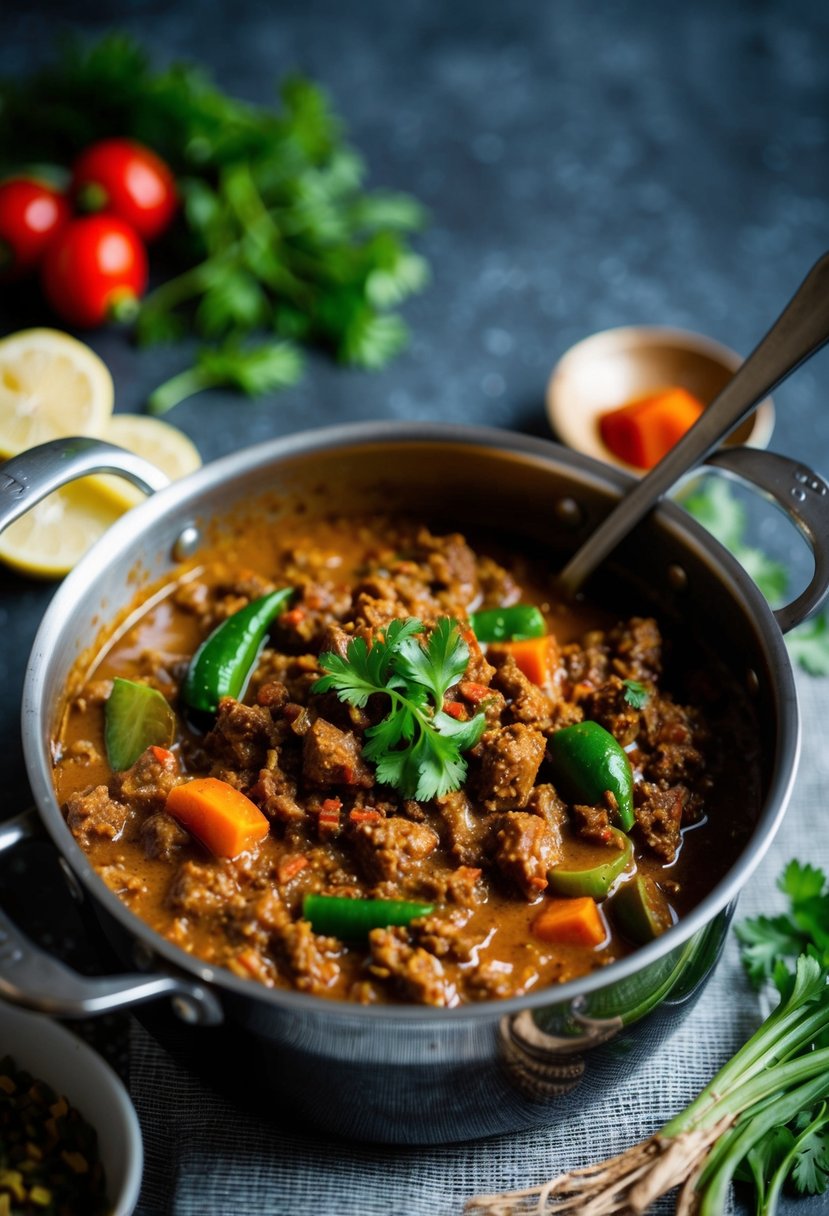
(407, 1074)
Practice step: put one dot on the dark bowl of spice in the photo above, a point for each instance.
(69, 1136)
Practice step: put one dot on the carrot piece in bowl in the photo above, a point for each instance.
(645, 430)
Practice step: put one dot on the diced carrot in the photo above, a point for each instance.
(455, 710)
(363, 815)
(571, 922)
(292, 617)
(221, 817)
(328, 819)
(644, 430)
(289, 867)
(534, 656)
(475, 693)
(162, 754)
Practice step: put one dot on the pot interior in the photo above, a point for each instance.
(524, 491)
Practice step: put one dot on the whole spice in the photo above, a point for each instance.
(48, 1152)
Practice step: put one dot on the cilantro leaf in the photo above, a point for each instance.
(809, 645)
(810, 1169)
(635, 694)
(765, 939)
(416, 747)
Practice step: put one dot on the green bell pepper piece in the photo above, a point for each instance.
(587, 761)
(514, 624)
(640, 910)
(594, 881)
(222, 664)
(338, 916)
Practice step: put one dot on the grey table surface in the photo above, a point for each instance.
(586, 165)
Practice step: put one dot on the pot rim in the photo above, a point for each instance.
(132, 528)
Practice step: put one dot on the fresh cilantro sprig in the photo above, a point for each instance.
(279, 243)
(416, 747)
(635, 694)
(716, 508)
(771, 944)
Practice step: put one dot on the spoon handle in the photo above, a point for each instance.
(800, 330)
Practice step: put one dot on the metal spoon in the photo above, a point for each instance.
(800, 330)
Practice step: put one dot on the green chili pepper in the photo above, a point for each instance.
(514, 624)
(337, 916)
(594, 881)
(640, 910)
(136, 716)
(222, 664)
(587, 761)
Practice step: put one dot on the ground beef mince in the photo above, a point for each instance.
(472, 863)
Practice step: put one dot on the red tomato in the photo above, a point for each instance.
(95, 270)
(30, 214)
(121, 177)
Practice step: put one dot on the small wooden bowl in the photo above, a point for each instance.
(613, 367)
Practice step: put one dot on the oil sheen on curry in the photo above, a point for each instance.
(370, 762)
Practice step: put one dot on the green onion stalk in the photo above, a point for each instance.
(776, 1076)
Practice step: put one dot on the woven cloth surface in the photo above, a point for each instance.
(204, 1154)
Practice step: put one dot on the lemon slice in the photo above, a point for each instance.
(54, 535)
(157, 441)
(50, 385)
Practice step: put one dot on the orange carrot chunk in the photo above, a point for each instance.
(534, 656)
(221, 817)
(571, 922)
(645, 429)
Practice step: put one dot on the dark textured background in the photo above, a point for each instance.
(586, 164)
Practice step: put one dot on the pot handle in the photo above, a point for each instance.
(33, 979)
(29, 477)
(804, 497)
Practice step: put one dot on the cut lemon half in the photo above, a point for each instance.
(164, 445)
(50, 385)
(55, 534)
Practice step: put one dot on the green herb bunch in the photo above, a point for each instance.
(280, 246)
(416, 747)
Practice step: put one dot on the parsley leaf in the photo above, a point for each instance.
(416, 747)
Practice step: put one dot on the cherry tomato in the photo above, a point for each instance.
(121, 177)
(30, 214)
(95, 270)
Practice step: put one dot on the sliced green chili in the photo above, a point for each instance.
(337, 916)
(594, 881)
(222, 664)
(640, 910)
(514, 624)
(136, 717)
(587, 761)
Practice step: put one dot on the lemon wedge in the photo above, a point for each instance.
(50, 385)
(55, 534)
(164, 445)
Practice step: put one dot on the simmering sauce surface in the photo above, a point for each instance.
(481, 855)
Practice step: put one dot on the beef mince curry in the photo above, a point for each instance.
(366, 761)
